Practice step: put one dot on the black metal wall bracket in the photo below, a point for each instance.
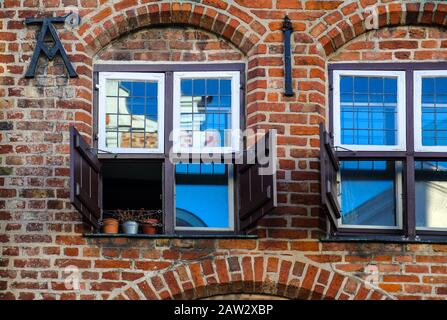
(287, 29)
(41, 46)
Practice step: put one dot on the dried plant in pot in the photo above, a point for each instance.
(150, 221)
(128, 221)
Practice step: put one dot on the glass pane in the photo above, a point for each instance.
(111, 105)
(225, 87)
(368, 192)
(431, 194)
(434, 111)
(368, 108)
(112, 87)
(132, 114)
(201, 196)
(205, 112)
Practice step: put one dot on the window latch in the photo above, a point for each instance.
(104, 151)
(345, 149)
(269, 192)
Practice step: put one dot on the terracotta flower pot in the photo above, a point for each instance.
(110, 225)
(149, 226)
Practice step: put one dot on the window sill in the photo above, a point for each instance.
(168, 236)
(387, 239)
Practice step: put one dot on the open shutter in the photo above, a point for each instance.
(328, 174)
(257, 181)
(84, 179)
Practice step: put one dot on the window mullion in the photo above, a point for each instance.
(168, 166)
(410, 195)
(410, 185)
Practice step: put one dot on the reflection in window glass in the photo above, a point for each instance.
(205, 112)
(431, 194)
(434, 111)
(368, 110)
(368, 192)
(193, 184)
(131, 114)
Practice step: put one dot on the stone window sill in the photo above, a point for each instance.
(167, 236)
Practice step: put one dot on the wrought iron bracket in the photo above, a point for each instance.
(287, 29)
(48, 28)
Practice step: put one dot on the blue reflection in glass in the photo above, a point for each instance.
(368, 110)
(225, 86)
(196, 182)
(368, 193)
(199, 87)
(186, 87)
(434, 111)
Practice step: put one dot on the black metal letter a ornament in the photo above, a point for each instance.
(41, 46)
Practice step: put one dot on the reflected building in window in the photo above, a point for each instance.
(131, 114)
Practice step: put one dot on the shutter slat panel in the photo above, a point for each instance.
(84, 179)
(329, 168)
(257, 192)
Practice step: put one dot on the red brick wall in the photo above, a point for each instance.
(171, 44)
(396, 44)
(40, 232)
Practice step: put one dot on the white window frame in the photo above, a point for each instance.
(231, 213)
(235, 111)
(399, 204)
(417, 103)
(401, 110)
(102, 79)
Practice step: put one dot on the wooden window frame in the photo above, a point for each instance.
(409, 231)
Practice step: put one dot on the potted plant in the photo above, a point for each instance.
(110, 225)
(150, 221)
(128, 221)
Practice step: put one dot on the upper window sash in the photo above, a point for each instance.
(400, 121)
(103, 77)
(429, 106)
(233, 131)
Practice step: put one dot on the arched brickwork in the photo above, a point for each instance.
(115, 20)
(288, 278)
(348, 22)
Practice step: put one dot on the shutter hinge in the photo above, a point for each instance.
(269, 192)
(331, 87)
(97, 86)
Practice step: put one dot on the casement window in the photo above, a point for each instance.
(130, 112)
(206, 125)
(383, 160)
(146, 115)
(371, 110)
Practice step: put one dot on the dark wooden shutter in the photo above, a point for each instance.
(84, 179)
(329, 169)
(257, 190)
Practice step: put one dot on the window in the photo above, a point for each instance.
(431, 194)
(131, 112)
(196, 182)
(371, 193)
(383, 164)
(206, 112)
(131, 165)
(370, 110)
(430, 109)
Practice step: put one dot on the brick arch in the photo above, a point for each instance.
(340, 26)
(268, 275)
(115, 20)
